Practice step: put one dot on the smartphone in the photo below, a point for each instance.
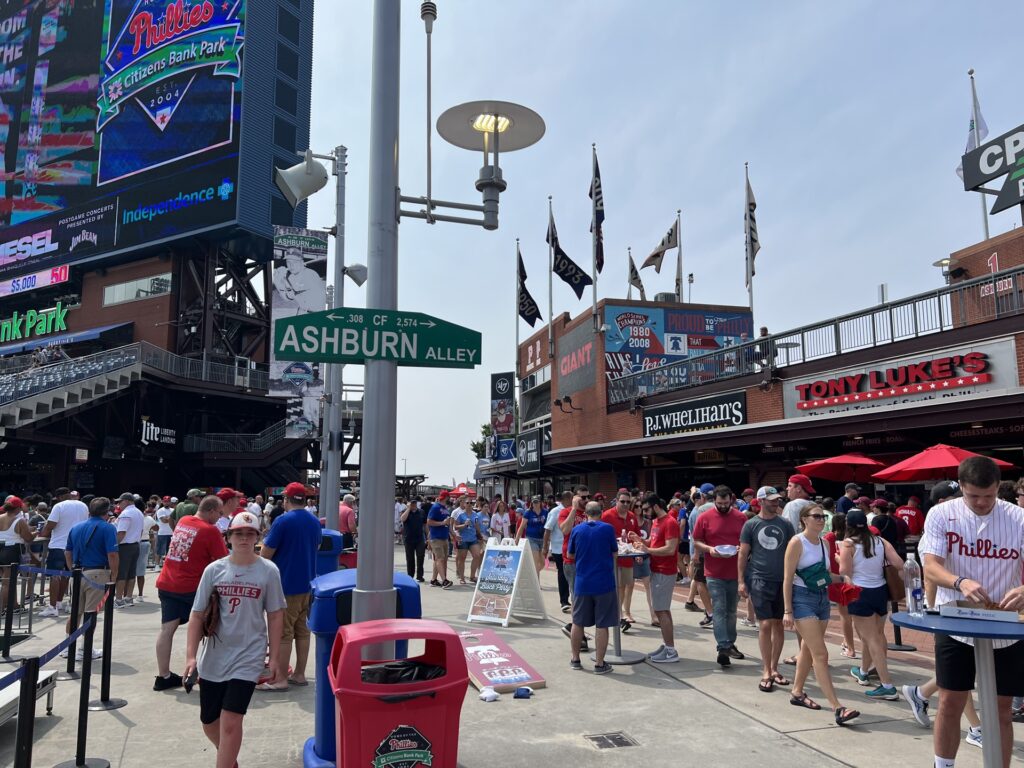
(190, 680)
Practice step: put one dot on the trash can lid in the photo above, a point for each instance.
(330, 584)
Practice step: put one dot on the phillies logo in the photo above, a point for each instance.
(234, 602)
(983, 548)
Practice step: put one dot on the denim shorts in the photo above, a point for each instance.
(642, 568)
(808, 604)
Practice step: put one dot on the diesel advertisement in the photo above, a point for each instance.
(119, 125)
(694, 415)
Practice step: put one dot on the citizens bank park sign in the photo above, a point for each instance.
(921, 380)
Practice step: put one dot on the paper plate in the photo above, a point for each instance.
(726, 549)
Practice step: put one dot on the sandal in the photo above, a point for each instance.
(780, 679)
(767, 685)
(845, 715)
(803, 700)
(848, 652)
(791, 661)
(655, 623)
(462, 581)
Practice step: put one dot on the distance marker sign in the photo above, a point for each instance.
(357, 335)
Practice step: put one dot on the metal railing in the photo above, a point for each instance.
(203, 370)
(970, 302)
(226, 442)
(36, 381)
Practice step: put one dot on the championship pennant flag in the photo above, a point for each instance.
(528, 309)
(669, 241)
(596, 225)
(753, 244)
(634, 278)
(563, 266)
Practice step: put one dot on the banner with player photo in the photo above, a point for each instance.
(299, 286)
(503, 403)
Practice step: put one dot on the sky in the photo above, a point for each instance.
(852, 117)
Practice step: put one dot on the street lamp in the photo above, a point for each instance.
(373, 597)
(943, 264)
(296, 184)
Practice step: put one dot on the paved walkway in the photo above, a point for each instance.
(691, 709)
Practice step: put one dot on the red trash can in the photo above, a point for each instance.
(398, 712)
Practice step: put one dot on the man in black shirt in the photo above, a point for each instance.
(413, 521)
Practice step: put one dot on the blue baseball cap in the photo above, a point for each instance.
(707, 488)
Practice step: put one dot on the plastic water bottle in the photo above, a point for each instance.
(914, 586)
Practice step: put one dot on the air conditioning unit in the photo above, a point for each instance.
(665, 297)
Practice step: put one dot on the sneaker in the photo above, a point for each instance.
(80, 654)
(708, 621)
(49, 611)
(685, 582)
(748, 623)
(625, 625)
(575, 664)
(1018, 715)
(859, 676)
(420, 579)
(667, 656)
(139, 599)
(435, 583)
(918, 705)
(602, 669)
(734, 653)
(447, 584)
(584, 645)
(119, 603)
(566, 608)
(166, 683)
(723, 659)
(691, 607)
(887, 692)
(974, 736)
(659, 652)
(129, 602)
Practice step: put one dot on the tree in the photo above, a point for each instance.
(479, 447)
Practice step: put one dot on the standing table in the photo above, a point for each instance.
(620, 656)
(983, 633)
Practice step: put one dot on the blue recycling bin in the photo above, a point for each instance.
(330, 608)
(330, 549)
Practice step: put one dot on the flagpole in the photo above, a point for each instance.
(519, 297)
(746, 224)
(679, 257)
(594, 234)
(977, 143)
(551, 290)
(629, 273)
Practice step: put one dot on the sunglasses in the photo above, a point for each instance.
(817, 517)
(585, 496)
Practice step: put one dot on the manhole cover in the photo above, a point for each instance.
(611, 740)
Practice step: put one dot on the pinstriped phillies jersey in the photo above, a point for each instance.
(986, 549)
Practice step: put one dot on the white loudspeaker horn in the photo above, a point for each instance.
(302, 180)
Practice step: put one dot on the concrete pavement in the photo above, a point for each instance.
(690, 709)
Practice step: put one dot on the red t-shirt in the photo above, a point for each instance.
(714, 528)
(628, 523)
(663, 529)
(914, 519)
(581, 517)
(194, 545)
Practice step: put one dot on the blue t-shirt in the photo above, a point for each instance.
(468, 533)
(535, 523)
(485, 524)
(592, 544)
(683, 527)
(295, 539)
(100, 543)
(438, 512)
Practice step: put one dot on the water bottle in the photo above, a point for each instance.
(914, 586)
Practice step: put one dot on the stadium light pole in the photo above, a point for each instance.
(374, 597)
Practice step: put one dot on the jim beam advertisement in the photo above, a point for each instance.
(696, 415)
(1003, 156)
(299, 287)
(920, 380)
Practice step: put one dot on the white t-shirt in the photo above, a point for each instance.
(255, 509)
(66, 514)
(551, 524)
(148, 523)
(163, 521)
(130, 521)
(987, 549)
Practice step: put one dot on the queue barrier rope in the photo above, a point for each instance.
(43, 571)
(13, 677)
(47, 657)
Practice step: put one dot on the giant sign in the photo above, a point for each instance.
(575, 359)
(119, 125)
(695, 415)
(922, 379)
(644, 338)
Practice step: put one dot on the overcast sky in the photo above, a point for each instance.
(853, 117)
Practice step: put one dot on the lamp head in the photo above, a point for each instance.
(465, 125)
(302, 180)
(357, 273)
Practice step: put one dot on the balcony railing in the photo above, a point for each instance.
(36, 381)
(226, 442)
(967, 303)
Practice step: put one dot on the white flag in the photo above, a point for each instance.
(982, 133)
(671, 240)
(753, 244)
(634, 279)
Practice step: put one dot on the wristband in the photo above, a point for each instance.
(960, 580)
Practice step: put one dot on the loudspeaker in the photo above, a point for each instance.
(302, 180)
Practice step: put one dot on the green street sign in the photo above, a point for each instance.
(357, 335)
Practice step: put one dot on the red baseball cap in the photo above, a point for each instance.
(15, 501)
(443, 495)
(803, 481)
(226, 494)
(295, 491)
(747, 492)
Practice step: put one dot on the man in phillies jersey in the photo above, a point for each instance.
(912, 515)
(624, 522)
(972, 550)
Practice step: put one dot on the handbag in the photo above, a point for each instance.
(894, 580)
(211, 617)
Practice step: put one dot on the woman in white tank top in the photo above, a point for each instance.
(14, 532)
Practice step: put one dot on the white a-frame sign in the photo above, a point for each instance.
(507, 585)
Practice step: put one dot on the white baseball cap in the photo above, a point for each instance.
(244, 520)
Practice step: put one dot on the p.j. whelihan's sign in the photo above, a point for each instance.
(41, 322)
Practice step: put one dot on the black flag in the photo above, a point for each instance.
(596, 225)
(565, 267)
(528, 309)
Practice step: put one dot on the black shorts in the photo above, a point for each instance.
(873, 601)
(128, 561)
(767, 599)
(698, 570)
(175, 606)
(954, 666)
(230, 695)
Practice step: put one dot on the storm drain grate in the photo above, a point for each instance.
(611, 740)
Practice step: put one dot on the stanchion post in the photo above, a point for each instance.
(12, 600)
(80, 760)
(26, 714)
(105, 702)
(76, 598)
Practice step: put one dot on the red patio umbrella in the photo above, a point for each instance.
(462, 490)
(849, 468)
(939, 462)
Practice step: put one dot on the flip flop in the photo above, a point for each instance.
(803, 700)
(791, 661)
(779, 679)
(299, 683)
(767, 685)
(269, 687)
(655, 623)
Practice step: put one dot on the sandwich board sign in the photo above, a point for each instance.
(492, 662)
(507, 585)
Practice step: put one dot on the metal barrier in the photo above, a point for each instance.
(970, 302)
